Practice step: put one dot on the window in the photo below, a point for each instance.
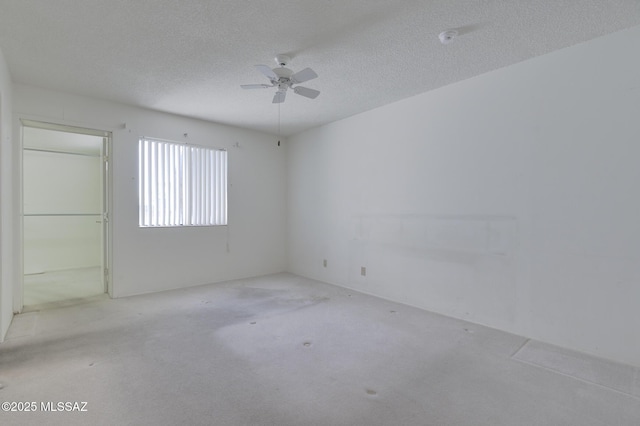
(181, 185)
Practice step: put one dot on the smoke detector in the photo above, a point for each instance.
(447, 37)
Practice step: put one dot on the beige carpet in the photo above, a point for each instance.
(282, 350)
(55, 288)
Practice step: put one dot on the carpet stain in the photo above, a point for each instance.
(307, 344)
(371, 392)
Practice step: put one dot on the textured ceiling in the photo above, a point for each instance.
(190, 57)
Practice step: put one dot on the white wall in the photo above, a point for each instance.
(146, 260)
(6, 196)
(56, 184)
(510, 199)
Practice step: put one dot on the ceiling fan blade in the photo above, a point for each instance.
(305, 91)
(278, 98)
(255, 86)
(268, 72)
(304, 75)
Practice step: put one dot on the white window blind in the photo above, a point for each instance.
(181, 185)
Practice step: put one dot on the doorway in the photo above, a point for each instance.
(65, 214)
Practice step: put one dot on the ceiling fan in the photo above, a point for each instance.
(283, 78)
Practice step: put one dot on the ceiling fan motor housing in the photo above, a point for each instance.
(283, 72)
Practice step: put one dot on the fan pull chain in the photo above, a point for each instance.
(279, 124)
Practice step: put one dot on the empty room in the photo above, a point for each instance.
(419, 212)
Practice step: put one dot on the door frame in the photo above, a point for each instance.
(107, 198)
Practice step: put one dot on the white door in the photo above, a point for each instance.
(65, 209)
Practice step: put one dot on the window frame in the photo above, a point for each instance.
(181, 184)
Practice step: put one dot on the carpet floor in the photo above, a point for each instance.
(284, 350)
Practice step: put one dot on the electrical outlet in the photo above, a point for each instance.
(363, 271)
(324, 263)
